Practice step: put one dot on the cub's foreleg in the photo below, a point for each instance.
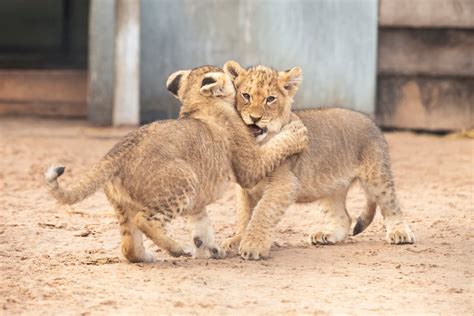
(252, 164)
(279, 194)
(247, 200)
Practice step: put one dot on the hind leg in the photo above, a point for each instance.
(337, 222)
(152, 224)
(202, 236)
(132, 238)
(380, 183)
(132, 243)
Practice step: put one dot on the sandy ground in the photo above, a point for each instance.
(57, 260)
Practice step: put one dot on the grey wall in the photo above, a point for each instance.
(334, 41)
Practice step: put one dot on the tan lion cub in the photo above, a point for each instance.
(344, 146)
(177, 167)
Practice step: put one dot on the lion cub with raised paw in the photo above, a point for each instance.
(344, 147)
(177, 167)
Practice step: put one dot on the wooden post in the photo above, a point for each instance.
(100, 99)
(127, 63)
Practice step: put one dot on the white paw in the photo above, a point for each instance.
(328, 237)
(400, 233)
(149, 257)
(213, 252)
(254, 248)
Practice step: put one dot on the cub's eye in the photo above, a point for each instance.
(246, 96)
(270, 99)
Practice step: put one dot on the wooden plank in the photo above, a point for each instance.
(425, 103)
(45, 85)
(427, 13)
(426, 52)
(38, 108)
(43, 92)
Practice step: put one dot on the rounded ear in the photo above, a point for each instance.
(174, 81)
(291, 79)
(216, 84)
(233, 69)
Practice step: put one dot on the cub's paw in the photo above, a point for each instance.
(148, 257)
(217, 253)
(327, 237)
(213, 252)
(294, 127)
(297, 130)
(399, 234)
(179, 251)
(254, 248)
(231, 245)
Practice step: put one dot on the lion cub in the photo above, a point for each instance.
(177, 167)
(344, 146)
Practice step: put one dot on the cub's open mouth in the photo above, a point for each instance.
(257, 131)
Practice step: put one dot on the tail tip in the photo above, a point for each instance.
(54, 172)
(359, 227)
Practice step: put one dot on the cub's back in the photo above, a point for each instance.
(166, 142)
(338, 137)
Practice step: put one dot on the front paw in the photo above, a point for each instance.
(231, 245)
(213, 252)
(329, 235)
(400, 233)
(299, 133)
(255, 247)
(148, 257)
(217, 253)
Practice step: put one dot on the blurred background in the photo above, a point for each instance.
(408, 63)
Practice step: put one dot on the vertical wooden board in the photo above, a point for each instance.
(101, 62)
(334, 41)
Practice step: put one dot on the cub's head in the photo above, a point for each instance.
(264, 96)
(201, 89)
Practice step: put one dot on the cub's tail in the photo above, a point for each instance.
(364, 220)
(90, 182)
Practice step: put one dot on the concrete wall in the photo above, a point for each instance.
(334, 41)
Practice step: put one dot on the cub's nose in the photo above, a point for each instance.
(255, 117)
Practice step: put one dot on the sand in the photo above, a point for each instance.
(57, 259)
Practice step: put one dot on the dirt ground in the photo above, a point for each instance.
(57, 259)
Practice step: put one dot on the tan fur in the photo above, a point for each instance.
(345, 146)
(177, 167)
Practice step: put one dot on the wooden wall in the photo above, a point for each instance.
(426, 64)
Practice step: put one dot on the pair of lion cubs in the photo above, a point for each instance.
(178, 167)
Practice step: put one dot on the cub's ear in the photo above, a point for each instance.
(175, 81)
(216, 84)
(233, 69)
(291, 79)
